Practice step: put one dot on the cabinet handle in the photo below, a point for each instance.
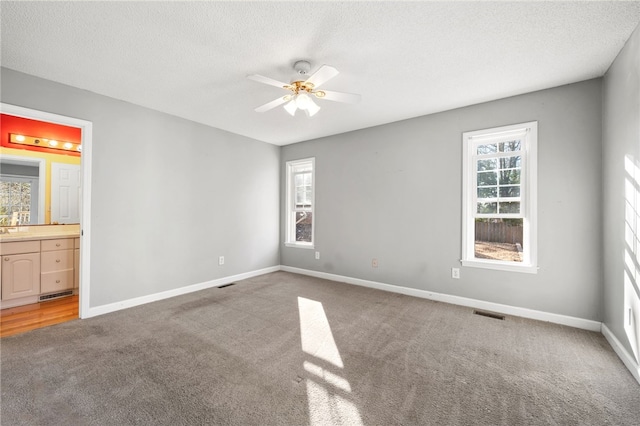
(6, 258)
(57, 260)
(57, 281)
(57, 244)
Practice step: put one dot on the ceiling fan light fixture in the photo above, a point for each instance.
(312, 108)
(291, 107)
(303, 101)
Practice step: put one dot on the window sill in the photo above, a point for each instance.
(300, 245)
(501, 266)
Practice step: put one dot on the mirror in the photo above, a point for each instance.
(39, 189)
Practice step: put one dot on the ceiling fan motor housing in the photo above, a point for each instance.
(302, 67)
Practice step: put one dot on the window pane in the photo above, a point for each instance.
(499, 239)
(489, 164)
(510, 146)
(510, 162)
(510, 207)
(487, 208)
(301, 197)
(510, 177)
(509, 191)
(487, 149)
(488, 192)
(304, 223)
(487, 178)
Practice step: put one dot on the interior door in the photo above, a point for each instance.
(65, 193)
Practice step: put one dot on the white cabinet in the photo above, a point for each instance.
(32, 268)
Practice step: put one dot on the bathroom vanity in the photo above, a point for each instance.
(38, 263)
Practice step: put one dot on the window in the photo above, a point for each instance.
(300, 203)
(499, 198)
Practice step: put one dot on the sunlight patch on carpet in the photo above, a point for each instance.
(327, 391)
(315, 333)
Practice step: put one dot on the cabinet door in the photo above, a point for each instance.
(20, 275)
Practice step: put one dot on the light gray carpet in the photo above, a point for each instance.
(237, 355)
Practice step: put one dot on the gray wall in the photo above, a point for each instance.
(393, 193)
(168, 195)
(621, 139)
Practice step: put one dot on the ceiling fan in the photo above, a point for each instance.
(302, 89)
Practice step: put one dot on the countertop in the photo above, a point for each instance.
(30, 233)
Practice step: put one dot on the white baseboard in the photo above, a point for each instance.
(622, 353)
(457, 300)
(129, 303)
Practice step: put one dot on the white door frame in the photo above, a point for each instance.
(86, 128)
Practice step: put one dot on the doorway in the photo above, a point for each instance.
(86, 128)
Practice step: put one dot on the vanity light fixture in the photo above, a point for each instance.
(44, 143)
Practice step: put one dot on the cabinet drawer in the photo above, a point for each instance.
(52, 261)
(56, 281)
(59, 244)
(18, 247)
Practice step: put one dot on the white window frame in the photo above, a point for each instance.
(528, 196)
(290, 233)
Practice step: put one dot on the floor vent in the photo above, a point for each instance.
(55, 295)
(226, 285)
(489, 315)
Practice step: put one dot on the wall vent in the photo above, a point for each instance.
(488, 314)
(55, 295)
(226, 285)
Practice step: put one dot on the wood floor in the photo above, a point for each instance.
(29, 317)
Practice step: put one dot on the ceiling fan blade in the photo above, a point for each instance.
(330, 95)
(274, 103)
(324, 74)
(267, 80)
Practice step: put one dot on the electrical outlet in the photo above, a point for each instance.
(221, 260)
(374, 263)
(317, 255)
(455, 273)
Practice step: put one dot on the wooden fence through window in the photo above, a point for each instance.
(498, 232)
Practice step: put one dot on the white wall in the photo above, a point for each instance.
(621, 160)
(168, 195)
(393, 193)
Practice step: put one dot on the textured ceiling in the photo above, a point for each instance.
(406, 59)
